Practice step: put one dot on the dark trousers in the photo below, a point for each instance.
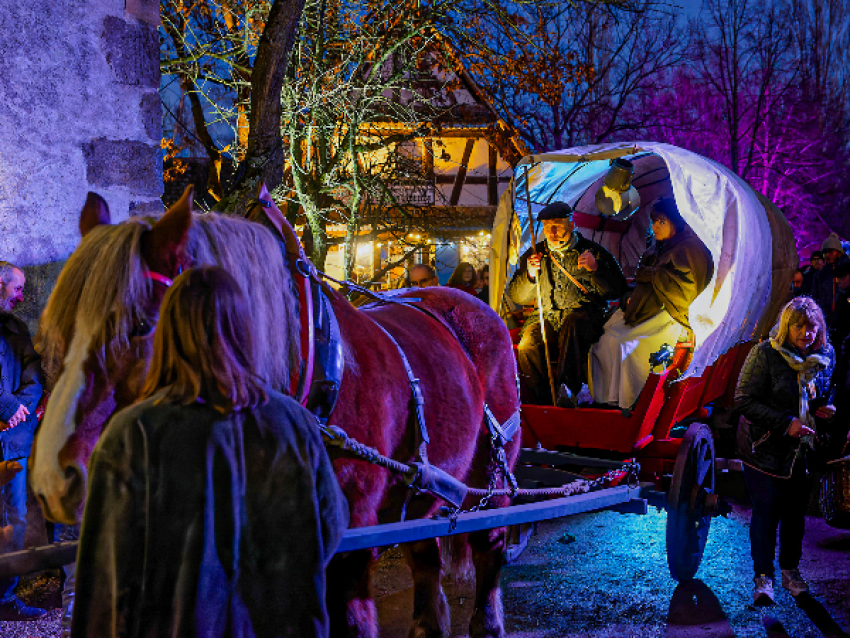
(568, 350)
(531, 361)
(777, 503)
(13, 513)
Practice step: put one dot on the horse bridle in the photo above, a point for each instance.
(302, 272)
(159, 278)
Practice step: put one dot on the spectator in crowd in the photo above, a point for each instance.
(577, 279)
(464, 278)
(817, 260)
(423, 276)
(841, 316)
(669, 277)
(484, 293)
(815, 264)
(823, 283)
(798, 285)
(784, 398)
(20, 392)
(839, 334)
(212, 507)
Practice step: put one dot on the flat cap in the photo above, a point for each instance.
(555, 210)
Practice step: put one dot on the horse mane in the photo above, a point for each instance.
(96, 291)
(102, 286)
(253, 255)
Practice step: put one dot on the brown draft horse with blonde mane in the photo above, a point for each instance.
(95, 337)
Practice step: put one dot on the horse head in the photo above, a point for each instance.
(96, 340)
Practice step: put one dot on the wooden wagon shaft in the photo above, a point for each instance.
(37, 558)
(624, 498)
(415, 530)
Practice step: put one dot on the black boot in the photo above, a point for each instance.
(566, 398)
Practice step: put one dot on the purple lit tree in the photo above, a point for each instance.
(759, 96)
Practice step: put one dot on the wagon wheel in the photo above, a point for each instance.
(689, 501)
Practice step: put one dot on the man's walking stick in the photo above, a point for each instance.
(549, 373)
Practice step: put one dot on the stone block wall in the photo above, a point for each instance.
(79, 111)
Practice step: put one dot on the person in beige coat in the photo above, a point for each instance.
(670, 276)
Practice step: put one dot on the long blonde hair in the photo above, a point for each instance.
(798, 311)
(204, 346)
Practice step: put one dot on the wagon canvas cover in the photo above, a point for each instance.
(724, 212)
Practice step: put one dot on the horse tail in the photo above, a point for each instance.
(457, 557)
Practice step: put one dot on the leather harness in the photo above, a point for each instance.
(316, 385)
(431, 478)
(318, 382)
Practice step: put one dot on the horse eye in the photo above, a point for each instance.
(142, 328)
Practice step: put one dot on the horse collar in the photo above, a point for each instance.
(160, 279)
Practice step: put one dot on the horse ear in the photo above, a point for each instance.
(95, 213)
(263, 193)
(273, 213)
(294, 249)
(164, 243)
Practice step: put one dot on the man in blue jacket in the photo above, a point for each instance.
(20, 392)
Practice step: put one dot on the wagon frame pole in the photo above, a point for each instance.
(549, 373)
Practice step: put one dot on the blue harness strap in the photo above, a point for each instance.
(429, 478)
(501, 432)
(418, 400)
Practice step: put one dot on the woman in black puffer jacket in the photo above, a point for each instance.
(785, 402)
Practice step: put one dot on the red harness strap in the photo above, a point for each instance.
(301, 269)
(158, 278)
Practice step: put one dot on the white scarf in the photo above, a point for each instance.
(807, 369)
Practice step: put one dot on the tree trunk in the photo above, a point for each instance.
(264, 159)
(320, 241)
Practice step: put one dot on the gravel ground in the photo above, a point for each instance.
(604, 575)
(38, 590)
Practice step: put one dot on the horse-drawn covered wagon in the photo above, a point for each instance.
(754, 257)
(416, 393)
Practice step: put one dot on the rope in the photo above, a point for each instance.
(580, 486)
(337, 437)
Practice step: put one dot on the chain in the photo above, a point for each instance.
(632, 469)
(484, 501)
(482, 504)
(337, 437)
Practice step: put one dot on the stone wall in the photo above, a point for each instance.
(79, 111)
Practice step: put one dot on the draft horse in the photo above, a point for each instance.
(95, 337)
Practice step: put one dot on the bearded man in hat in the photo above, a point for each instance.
(577, 279)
